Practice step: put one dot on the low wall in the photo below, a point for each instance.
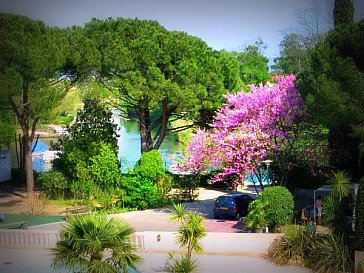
(232, 243)
(11, 238)
(150, 241)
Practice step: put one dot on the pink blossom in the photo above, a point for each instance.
(247, 129)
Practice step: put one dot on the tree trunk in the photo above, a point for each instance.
(165, 117)
(23, 116)
(146, 143)
(29, 165)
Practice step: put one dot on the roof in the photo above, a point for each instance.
(325, 188)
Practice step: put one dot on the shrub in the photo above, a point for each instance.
(83, 140)
(256, 217)
(359, 217)
(104, 168)
(34, 204)
(334, 216)
(140, 193)
(296, 244)
(331, 255)
(150, 165)
(280, 206)
(83, 190)
(53, 183)
(324, 253)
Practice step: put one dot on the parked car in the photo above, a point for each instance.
(233, 205)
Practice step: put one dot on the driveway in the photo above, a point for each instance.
(158, 219)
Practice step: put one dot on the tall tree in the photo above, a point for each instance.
(253, 65)
(293, 55)
(343, 12)
(333, 90)
(157, 74)
(31, 57)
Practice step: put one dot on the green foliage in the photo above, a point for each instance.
(324, 253)
(95, 243)
(343, 12)
(104, 168)
(191, 230)
(53, 183)
(89, 150)
(296, 244)
(82, 190)
(158, 72)
(7, 127)
(335, 217)
(164, 184)
(280, 206)
(150, 165)
(359, 217)
(340, 182)
(293, 55)
(183, 136)
(257, 216)
(185, 264)
(253, 65)
(332, 89)
(140, 193)
(32, 76)
(331, 254)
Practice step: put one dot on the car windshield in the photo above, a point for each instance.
(226, 201)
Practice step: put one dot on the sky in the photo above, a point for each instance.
(222, 24)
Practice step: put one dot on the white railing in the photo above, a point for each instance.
(10, 238)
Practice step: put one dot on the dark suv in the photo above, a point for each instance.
(233, 205)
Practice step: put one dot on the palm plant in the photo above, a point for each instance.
(189, 235)
(95, 244)
(191, 230)
(340, 182)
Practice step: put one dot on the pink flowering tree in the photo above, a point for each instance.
(249, 128)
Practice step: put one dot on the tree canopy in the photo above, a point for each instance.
(253, 65)
(159, 75)
(333, 91)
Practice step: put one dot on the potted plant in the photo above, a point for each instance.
(256, 218)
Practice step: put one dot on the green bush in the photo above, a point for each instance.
(256, 217)
(150, 165)
(84, 139)
(83, 190)
(359, 217)
(280, 206)
(53, 183)
(104, 168)
(331, 255)
(296, 244)
(334, 216)
(140, 193)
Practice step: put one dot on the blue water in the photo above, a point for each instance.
(129, 148)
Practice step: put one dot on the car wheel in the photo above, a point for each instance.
(216, 216)
(237, 216)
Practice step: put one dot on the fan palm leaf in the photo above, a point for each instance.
(94, 243)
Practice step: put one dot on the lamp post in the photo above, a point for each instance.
(267, 162)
